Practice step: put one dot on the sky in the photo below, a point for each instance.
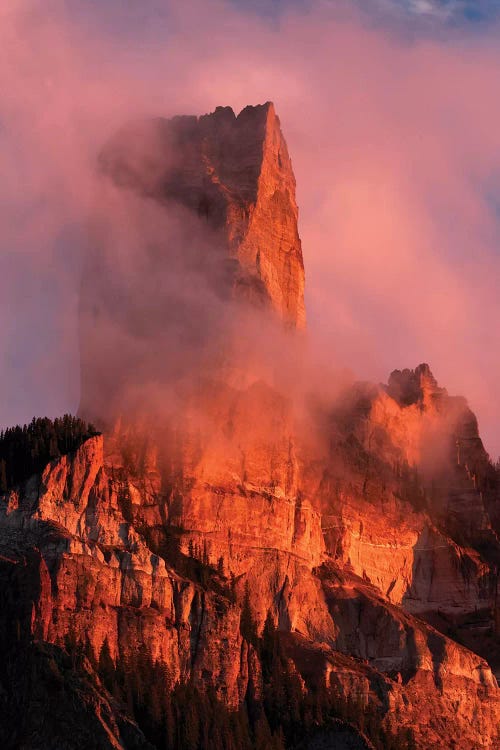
(390, 111)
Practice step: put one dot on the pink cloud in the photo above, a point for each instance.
(396, 149)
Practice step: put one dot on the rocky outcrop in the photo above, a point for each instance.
(409, 502)
(194, 255)
(48, 698)
(235, 173)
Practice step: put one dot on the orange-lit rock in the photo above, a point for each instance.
(410, 496)
(101, 529)
(200, 253)
(235, 173)
(356, 525)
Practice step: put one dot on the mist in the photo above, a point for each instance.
(396, 152)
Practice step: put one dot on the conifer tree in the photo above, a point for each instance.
(248, 626)
(106, 666)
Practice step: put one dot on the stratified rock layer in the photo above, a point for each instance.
(104, 537)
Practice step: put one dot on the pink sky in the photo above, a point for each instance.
(396, 149)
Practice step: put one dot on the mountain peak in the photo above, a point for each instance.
(235, 173)
(409, 387)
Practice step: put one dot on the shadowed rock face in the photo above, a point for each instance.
(336, 738)
(413, 386)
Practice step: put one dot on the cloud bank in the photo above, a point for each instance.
(396, 149)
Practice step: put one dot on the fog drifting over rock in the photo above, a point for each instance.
(395, 149)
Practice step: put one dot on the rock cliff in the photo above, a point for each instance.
(414, 453)
(201, 227)
(235, 173)
(122, 553)
(242, 567)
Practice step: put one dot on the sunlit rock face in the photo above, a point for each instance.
(234, 172)
(88, 544)
(364, 525)
(193, 250)
(411, 498)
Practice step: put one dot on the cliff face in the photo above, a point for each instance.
(194, 251)
(415, 499)
(235, 173)
(111, 559)
(312, 568)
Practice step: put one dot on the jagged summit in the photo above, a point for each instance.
(234, 172)
(216, 242)
(413, 386)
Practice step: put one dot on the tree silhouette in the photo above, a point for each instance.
(26, 450)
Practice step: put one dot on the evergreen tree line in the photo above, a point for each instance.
(189, 716)
(26, 450)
